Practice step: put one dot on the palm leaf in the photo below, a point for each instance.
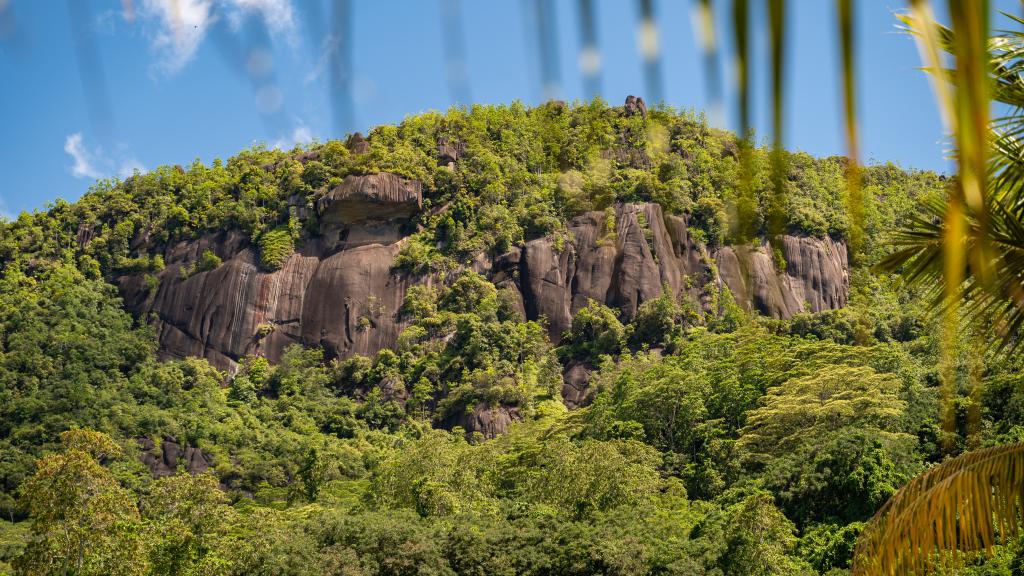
(777, 33)
(855, 201)
(967, 504)
(991, 285)
(746, 206)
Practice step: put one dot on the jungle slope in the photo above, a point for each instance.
(339, 341)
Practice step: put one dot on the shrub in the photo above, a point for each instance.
(657, 322)
(595, 331)
(208, 261)
(275, 247)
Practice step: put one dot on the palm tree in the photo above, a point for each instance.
(967, 252)
(992, 291)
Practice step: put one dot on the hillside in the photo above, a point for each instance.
(508, 340)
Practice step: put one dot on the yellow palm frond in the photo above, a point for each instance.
(967, 504)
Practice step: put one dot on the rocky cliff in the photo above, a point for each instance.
(342, 292)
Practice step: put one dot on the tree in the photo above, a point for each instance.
(760, 540)
(596, 331)
(83, 522)
(831, 398)
(312, 473)
(657, 323)
(663, 402)
(843, 476)
(187, 515)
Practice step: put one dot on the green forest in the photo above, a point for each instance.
(718, 441)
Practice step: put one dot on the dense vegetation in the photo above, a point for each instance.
(716, 444)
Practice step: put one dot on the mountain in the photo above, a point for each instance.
(567, 339)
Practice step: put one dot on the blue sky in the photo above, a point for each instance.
(97, 88)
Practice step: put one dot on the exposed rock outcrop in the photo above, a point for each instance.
(376, 197)
(448, 152)
(342, 292)
(814, 278)
(635, 105)
(489, 421)
(621, 267)
(164, 460)
(649, 251)
(357, 144)
(576, 389)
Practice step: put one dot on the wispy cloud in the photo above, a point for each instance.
(84, 161)
(301, 134)
(278, 14)
(181, 25)
(327, 50)
(94, 163)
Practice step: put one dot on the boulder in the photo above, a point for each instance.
(448, 152)
(164, 461)
(576, 391)
(634, 105)
(371, 197)
(489, 421)
(357, 144)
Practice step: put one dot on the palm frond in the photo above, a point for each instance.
(744, 225)
(920, 257)
(982, 268)
(777, 33)
(967, 504)
(855, 201)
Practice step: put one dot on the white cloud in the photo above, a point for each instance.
(84, 160)
(327, 50)
(128, 168)
(181, 25)
(301, 134)
(94, 163)
(278, 14)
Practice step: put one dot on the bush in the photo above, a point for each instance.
(595, 331)
(208, 261)
(275, 247)
(657, 322)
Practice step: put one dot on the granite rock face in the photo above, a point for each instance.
(376, 197)
(623, 267)
(815, 275)
(576, 389)
(649, 252)
(339, 292)
(342, 292)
